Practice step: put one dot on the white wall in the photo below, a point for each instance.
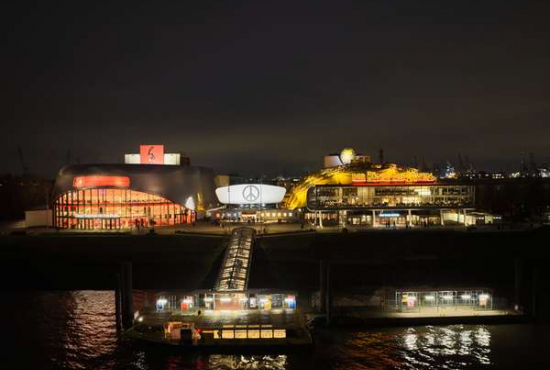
(332, 161)
(40, 218)
(173, 159)
(132, 159)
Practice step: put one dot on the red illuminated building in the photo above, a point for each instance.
(125, 196)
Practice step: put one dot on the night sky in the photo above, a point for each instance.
(270, 87)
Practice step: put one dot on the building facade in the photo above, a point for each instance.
(399, 204)
(123, 196)
(253, 203)
(360, 192)
(410, 196)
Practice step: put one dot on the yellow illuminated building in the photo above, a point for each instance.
(355, 174)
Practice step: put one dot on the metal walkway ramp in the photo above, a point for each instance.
(235, 268)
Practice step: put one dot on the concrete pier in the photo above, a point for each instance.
(518, 274)
(118, 302)
(322, 285)
(126, 295)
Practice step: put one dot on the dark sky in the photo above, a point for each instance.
(266, 87)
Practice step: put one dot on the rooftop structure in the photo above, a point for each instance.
(356, 173)
(365, 193)
(154, 154)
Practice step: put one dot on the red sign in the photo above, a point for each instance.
(151, 154)
(384, 183)
(101, 181)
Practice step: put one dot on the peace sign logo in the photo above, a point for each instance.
(251, 193)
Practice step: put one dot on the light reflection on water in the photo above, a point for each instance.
(78, 327)
(275, 362)
(76, 330)
(428, 347)
(452, 347)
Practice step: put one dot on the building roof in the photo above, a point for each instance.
(179, 184)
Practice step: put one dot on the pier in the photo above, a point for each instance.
(235, 269)
(289, 263)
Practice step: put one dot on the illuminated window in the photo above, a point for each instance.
(253, 334)
(267, 334)
(114, 209)
(228, 334)
(279, 333)
(240, 334)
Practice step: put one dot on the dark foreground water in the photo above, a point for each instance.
(76, 330)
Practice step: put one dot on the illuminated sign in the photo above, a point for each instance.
(358, 178)
(151, 154)
(250, 194)
(100, 215)
(392, 176)
(389, 214)
(101, 181)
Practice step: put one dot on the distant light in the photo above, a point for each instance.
(187, 300)
(466, 296)
(225, 299)
(429, 298)
(243, 299)
(448, 297)
(161, 303)
(484, 296)
(423, 191)
(347, 155)
(140, 319)
(208, 299)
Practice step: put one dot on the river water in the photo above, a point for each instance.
(76, 330)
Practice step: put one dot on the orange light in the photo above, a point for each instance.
(151, 154)
(101, 181)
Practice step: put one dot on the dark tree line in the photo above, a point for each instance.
(20, 193)
(523, 199)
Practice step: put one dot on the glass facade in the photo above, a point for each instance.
(334, 197)
(112, 209)
(444, 300)
(223, 301)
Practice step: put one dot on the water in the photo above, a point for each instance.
(76, 330)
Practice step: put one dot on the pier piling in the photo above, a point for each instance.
(518, 273)
(534, 294)
(118, 311)
(322, 285)
(126, 295)
(327, 293)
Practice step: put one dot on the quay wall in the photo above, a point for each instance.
(359, 262)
